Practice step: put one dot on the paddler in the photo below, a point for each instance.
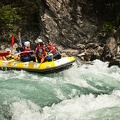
(25, 55)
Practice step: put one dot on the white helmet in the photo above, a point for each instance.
(39, 40)
(7, 50)
(26, 43)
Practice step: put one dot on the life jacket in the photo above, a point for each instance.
(37, 49)
(52, 48)
(25, 53)
(4, 54)
(40, 51)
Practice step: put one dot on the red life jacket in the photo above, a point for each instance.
(37, 49)
(4, 54)
(52, 48)
(25, 53)
(43, 52)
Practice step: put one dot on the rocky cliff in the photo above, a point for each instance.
(73, 24)
(67, 22)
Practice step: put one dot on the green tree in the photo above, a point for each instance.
(9, 19)
(18, 15)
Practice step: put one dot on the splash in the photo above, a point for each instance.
(87, 92)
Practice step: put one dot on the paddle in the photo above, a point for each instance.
(15, 56)
(42, 59)
(12, 42)
(23, 52)
(19, 37)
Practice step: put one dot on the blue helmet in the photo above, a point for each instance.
(23, 43)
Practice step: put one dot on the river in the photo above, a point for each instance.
(84, 92)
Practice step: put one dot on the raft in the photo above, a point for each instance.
(45, 67)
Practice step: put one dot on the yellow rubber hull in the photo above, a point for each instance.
(37, 67)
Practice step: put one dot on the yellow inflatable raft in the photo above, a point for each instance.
(37, 67)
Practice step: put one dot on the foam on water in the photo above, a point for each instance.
(87, 92)
(25, 110)
(85, 107)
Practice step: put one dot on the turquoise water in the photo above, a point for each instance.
(84, 92)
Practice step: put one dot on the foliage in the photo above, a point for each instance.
(108, 11)
(9, 18)
(24, 14)
(20, 15)
(108, 27)
(73, 3)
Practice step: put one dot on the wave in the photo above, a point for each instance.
(84, 92)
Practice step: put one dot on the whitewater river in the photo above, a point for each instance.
(84, 92)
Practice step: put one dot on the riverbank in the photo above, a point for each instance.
(109, 51)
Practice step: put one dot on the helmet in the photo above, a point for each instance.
(26, 43)
(39, 40)
(7, 50)
(23, 43)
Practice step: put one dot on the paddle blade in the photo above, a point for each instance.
(42, 59)
(12, 40)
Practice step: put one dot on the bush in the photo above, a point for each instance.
(9, 19)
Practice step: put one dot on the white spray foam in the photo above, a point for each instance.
(25, 110)
(81, 108)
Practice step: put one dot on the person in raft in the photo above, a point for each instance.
(25, 54)
(40, 51)
(51, 48)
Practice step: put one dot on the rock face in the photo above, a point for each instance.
(65, 22)
(72, 25)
